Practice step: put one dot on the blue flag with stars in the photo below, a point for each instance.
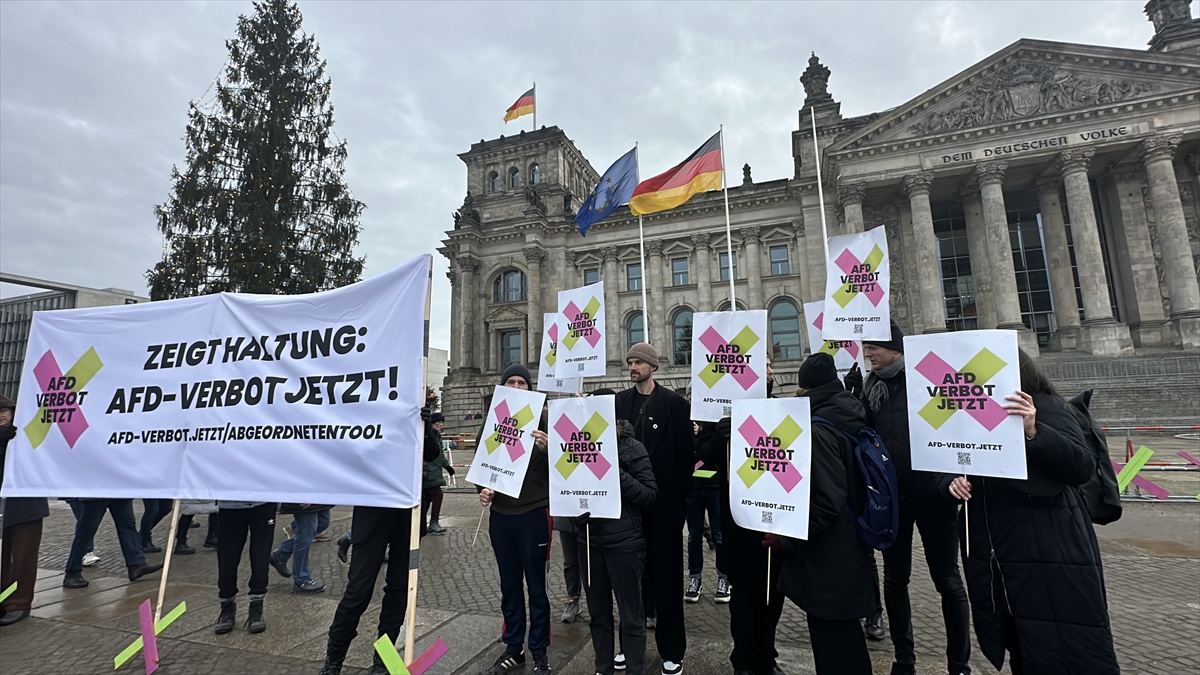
(615, 188)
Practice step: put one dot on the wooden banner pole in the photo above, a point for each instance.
(162, 583)
(414, 535)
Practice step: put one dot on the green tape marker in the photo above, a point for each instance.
(8, 591)
(159, 627)
(1131, 469)
(704, 474)
(390, 657)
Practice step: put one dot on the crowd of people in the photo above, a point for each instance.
(1034, 582)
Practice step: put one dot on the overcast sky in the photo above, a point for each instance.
(94, 98)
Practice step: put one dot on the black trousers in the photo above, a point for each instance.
(839, 647)
(616, 573)
(154, 510)
(572, 553)
(752, 621)
(375, 530)
(522, 547)
(662, 582)
(235, 525)
(938, 523)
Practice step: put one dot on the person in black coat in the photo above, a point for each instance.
(22, 533)
(831, 575)
(1033, 564)
(617, 557)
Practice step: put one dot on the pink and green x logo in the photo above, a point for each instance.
(510, 440)
(48, 376)
(729, 358)
(850, 265)
(552, 354)
(581, 324)
(781, 439)
(572, 459)
(984, 409)
(832, 347)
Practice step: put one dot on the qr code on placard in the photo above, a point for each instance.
(766, 517)
(858, 328)
(726, 411)
(964, 459)
(495, 478)
(581, 367)
(583, 503)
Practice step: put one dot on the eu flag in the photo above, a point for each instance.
(615, 188)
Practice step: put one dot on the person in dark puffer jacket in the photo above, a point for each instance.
(1033, 570)
(618, 557)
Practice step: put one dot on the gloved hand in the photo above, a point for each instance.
(581, 520)
(854, 380)
(724, 427)
(426, 413)
(450, 470)
(772, 542)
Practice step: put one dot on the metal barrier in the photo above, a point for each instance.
(1122, 369)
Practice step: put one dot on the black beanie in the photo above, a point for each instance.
(895, 344)
(517, 369)
(817, 370)
(602, 392)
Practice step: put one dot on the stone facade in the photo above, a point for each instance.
(1048, 189)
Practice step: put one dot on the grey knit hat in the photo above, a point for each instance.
(645, 352)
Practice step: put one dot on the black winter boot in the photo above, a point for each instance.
(377, 666)
(254, 620)
(228, 616)
(334, 656)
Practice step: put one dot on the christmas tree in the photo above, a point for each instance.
(262, 205)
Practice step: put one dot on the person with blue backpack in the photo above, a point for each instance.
(922, 504)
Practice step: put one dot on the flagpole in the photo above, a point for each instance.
(820, 191)
(534, 106)
(642, 250)
(728, 234)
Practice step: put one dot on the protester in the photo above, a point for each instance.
(1031, 543)
(308, 520)
(662, 422)
(153, 511)
(520, 532)
(22, 533)
(705, 498)
(886, 398)
(375, 530)
(829, 575)
(237, 520)
(615, 559)
(91, 513)
(189, 509)
(433, 480)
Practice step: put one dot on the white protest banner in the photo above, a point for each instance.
(770, 456)
(306, 398)
(502, 457)
(584, 473)
(546, 381)
(729, 361)
(956, 387)
(582, 343)
(858, 277)
(845, 353)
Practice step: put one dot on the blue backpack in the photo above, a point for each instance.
(881, 514)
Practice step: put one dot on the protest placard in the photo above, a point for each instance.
(582, 341)
(857, 282)
(729, 361)
(845, 353)
(502, 457)
(956, 388)
(770, 456)
(546, 380)
(208, 397)
(584, 472)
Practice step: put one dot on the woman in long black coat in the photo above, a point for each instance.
(1033, 570)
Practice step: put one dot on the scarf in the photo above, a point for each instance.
(877, 391)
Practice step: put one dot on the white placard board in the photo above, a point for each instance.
(857, 283)
(845, 353)
(770, 459)
(582, 340)
(729, 361)
(584, 471)
(506, 445)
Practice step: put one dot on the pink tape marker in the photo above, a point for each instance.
(1145, 484)
(149, 641)
(423, 662)
(1189, 458)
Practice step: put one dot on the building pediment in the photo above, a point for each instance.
(1028, 81)
(506, 316)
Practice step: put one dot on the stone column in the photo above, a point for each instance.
(1145, 315)
(851, 197)
(493, 349)
(533, 259)
(467, 292)
(1178, 266)
(1058, 260)
(990, 177)
(702, 253)
(656, 314)
(753, 263)
(1100, 332)
(981, 262)
(933, 308)
(612, 314)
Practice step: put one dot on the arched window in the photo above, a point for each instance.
(635, 331)
(493, 184)
(514, 178)
(512, 286)
(681, 337)
(785, 331)
(535, 174)
(725, 307)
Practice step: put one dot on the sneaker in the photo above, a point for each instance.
(310, 587)
(672, 668)
(181, 548)
(90, 559)
(287, 530)
(324, 536)
(509, 661)
(724, 590)
(436, 528)
(571, 611)
(541, 666)
(619, 661)
(279, 565)
(694, 589)
(874, 627)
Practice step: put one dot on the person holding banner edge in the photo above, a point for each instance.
(22, 533)
(885, 397)
(1032, 543)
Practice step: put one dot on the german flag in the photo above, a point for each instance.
(700, 172)
(523, 106)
